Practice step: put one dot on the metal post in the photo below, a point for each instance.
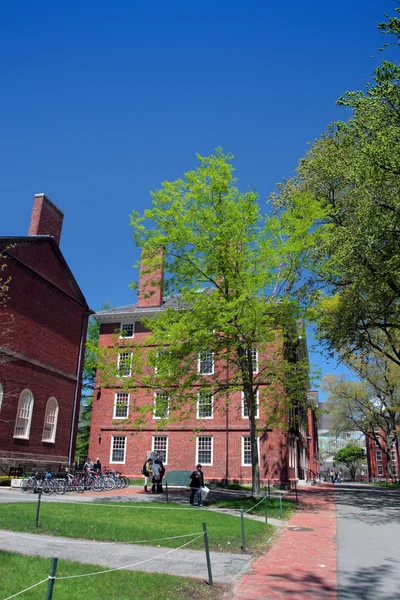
(280, 507)
(52, 577)
(166, 491)
(210, 579)
(269, 488)
(266, 507)
(242, 523)
(38, 509)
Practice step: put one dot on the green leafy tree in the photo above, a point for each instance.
(231, 270)
(350, 456)
(88, 379)
(350, 180)
(370, 405)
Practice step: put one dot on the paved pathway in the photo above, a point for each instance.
(226, 568)
(368, 526)
(301, 564)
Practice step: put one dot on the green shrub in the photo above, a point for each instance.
(5, 480)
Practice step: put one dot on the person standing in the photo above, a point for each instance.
(158, 474)
(197, 484)
(97, 466)
(146, 471)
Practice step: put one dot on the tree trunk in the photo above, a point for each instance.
(255, 463)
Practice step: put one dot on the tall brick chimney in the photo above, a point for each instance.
(151, 278)
(46, 218)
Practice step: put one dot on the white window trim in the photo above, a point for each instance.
(1, 395)
(127, 336)
(117, 462)
(165, 462)
(155, 404)
(130, 364)
(256, 371)
(115, 405)
(380, 454)
(53, 438)
(258, 406)
(258, 447)
(212, 365)
(210, 464)
(28, 428)
(198, 406)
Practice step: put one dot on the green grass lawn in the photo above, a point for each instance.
(133, 522)
(19, 572)
(288, 506)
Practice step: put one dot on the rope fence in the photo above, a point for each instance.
(135, 564)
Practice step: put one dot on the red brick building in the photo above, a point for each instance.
(377, 458)
(43, 329)
(218, 439)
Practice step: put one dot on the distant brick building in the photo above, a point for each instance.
(43, 328)
(218, 439)
(378, 461)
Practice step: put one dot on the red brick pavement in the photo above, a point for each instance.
(301, 565)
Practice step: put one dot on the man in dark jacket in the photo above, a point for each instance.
(196, 483)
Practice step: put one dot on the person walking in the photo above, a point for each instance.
(332, 476)
(197, 484)
(158, 474)
(146, 471)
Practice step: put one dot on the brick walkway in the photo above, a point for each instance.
(301, 564)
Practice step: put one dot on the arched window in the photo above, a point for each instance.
(24, 415)
(1, 395)
(50, 421)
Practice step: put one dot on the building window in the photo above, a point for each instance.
(394, 457)
(124, 364)
(50, 421)
(204, 405)
(380, 470)
(118, 449)
(254, 359)
(204, 450)
(206, 362)
(161, 405)
(127, 330)
(246, 451)
(378, 456)
(160, 447)
(24, 415)
(377, 441)
(394, 469)
(1, 395)
(245, 408)
(121, 406)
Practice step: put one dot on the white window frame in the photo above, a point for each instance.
(122, 332)
(156, 394)
(119, 364)
(258, 447)
(394, 468)
(394, 456)
(117, 462)
(165, 462)
(21, 419)
(380, 468)
(198, 461)
(378, 456)
(211, 372)
(115, 416)
(254, 360)
(50, 425)
(211, 395)
(244, 406)
(1, 395)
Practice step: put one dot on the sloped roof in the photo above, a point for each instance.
(47, 262)
(133, 310)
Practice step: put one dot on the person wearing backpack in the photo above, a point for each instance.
(158, 474)
(146, 471)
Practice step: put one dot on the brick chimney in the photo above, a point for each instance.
(46, 218)
(151, 278)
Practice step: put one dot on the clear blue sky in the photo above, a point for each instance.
(102, 101)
